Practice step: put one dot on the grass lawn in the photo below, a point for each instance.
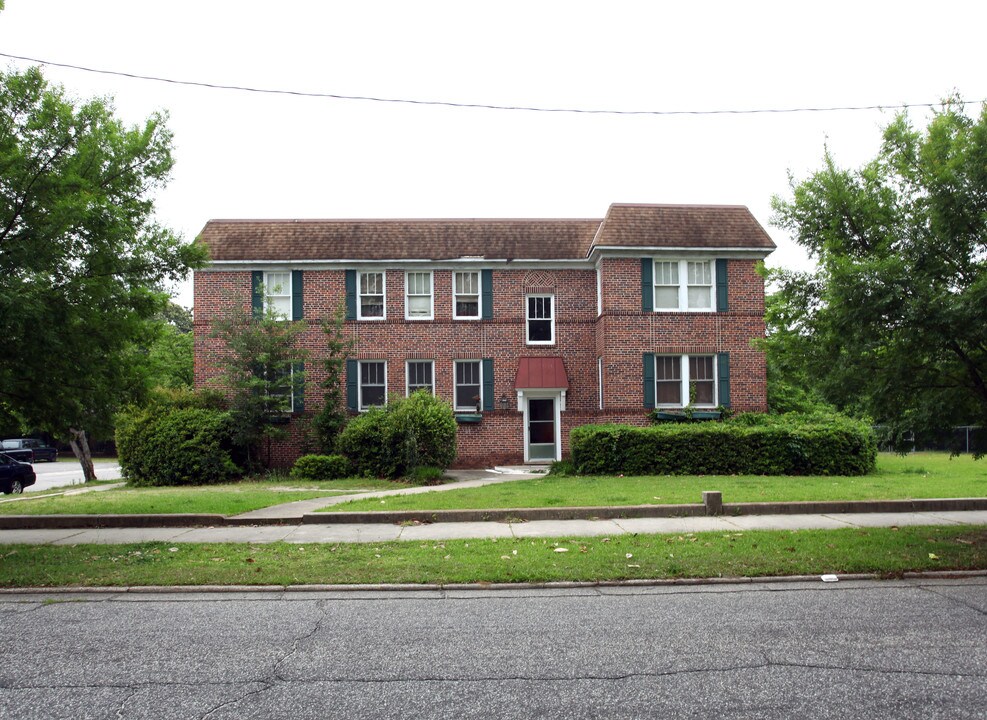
(225, 499)
(919, 475)
(887, 551)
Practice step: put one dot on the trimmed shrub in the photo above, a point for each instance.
(320, 467)
(746, 445)
(407, 433)
(184, 446)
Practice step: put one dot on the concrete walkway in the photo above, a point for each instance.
(462, 479)
(378, 532)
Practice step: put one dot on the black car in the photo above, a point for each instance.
(14, 475)
(28, 450)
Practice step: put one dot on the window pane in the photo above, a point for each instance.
(701, 385)
(372, 306)
(419, 376)
(700, 368)
(371, 283)
(419, 306)
(467, 383)
(667, 297)
(539, 331)
(467, 283)
(666, 273)
(669, 392)
(668, 367)
(699, 297)
(700, 273)
(280, 305)
(373, 395)
(467, 307)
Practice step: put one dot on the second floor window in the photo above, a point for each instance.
(541, 320)
(466, 295)
(418, 295)
(371, 295)
(277, 293)
(683, 285)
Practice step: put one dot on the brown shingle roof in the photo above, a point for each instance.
(700, 226)
(397, 239)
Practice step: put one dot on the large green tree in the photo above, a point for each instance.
(893, 323)
(82, 262)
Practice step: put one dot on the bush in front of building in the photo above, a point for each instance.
(749, 444)
(175, 446)
(320, 467)
(407, 433)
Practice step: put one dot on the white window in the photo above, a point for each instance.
(468, 383)
(466, 295)
(373, 383)
(277, 293)
(371, 301)
(420, 376)
(280, 388)
(418, 296)
(682, 380)
(683, 284)
(541, 320)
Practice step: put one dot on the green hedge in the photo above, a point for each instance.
(392, 441)
(320, 467)
(745, 445)
(183, 446)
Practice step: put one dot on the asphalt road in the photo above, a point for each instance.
(59, 474)
(902, 649)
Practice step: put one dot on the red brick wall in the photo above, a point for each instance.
(619, 336)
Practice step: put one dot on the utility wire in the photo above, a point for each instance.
(485, 106)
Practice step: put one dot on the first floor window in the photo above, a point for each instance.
(420, 376)
(466, 295)
(541, 320)
(682, 380)
(371, 295)
(467, 384)
(277, 293)
(278, 387)
(373, 383)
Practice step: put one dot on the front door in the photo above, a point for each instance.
(540, 438)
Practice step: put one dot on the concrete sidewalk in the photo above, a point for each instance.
(378, 532)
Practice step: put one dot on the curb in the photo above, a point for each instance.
(505, 515)
(433, 587)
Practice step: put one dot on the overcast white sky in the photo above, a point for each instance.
(249, 155)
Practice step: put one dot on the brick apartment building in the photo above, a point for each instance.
(528, 327)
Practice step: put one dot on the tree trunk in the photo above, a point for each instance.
(80, 448)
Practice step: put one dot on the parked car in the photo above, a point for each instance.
(14, 475)
(28, 450)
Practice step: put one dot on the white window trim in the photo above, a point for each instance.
(599, 378)
(431, 296)
(684, 381)
(267, 291)
(359, 384)
(479, 295)
(455, 386)
(359, 295)
(407, 375)
(528, 319)
(683, 286)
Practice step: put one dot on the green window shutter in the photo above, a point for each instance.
(488, 384)
(723, 375)
(351, 294)
(647, 285)
(649, 380)
(721, 286)
(298, 387)
(486, 294)
(256, 293)
(297, 293)
(352, 378)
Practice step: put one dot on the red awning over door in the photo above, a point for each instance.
(541, 373)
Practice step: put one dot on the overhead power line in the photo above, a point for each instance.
(483, 106)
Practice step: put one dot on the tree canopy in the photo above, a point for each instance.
(83, 264)
(893, 323)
